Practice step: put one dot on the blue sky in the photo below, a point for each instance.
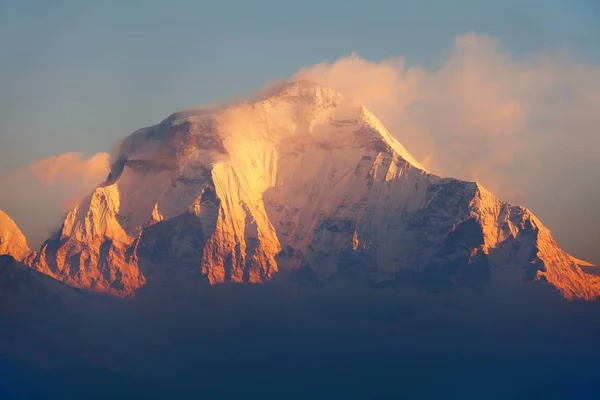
(77, 75)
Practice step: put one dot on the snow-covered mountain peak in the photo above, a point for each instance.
(305, 91)
(293, 115)
(12, 240)
(300, 179)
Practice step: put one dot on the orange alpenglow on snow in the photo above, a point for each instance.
(302, 178)
(12, 241)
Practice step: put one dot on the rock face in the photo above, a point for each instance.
(302, 181)
(12, 241)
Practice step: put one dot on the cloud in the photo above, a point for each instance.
(37, 196)
(527, 128)
(70, 168)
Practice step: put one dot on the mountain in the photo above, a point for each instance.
(301, 183)
(12, 240)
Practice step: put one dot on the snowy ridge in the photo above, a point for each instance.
(302, 179)
(507, 226)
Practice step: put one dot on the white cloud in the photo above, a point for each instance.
(527, 128)
(37, 196)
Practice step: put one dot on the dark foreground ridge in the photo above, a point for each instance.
(276, 340)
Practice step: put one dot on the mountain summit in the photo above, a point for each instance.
(12, 240)
(304, 183)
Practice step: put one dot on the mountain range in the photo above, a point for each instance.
(299, 184)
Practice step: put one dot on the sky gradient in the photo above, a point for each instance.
(78, 76)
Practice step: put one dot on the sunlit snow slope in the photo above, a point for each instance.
(302, 182)
(12, 241)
